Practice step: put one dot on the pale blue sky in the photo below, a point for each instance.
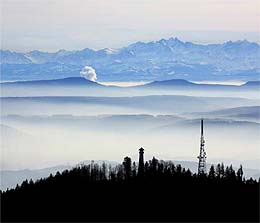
(50, 25)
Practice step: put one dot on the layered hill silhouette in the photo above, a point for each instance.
(184, 83)
(251, 113)
(163, 85)
(142, 104)
(79, 86)
(162, 191)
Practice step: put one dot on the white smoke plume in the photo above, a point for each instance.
(89, 73)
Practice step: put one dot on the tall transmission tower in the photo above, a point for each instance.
(202, 156)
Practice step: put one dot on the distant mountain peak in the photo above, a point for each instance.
(35, 51)
(87, 50)
(61, 51)
(170, 41)
(110, 51)
(175, 40)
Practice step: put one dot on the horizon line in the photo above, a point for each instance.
(141, 41)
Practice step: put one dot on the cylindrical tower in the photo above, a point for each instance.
(141, 162)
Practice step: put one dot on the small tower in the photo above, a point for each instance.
(141, 162)
(202, 156)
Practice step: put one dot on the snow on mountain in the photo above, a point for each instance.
(156, 60)
(10, 57)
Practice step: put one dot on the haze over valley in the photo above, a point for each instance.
(158, 101)
(57, 111)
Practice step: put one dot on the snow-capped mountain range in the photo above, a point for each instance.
(157, 60)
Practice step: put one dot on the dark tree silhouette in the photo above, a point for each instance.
(240, 173)
(127, 167)
(212, 172)
(134, 170)
(118, 193)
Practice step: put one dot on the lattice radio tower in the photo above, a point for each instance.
(202, 155)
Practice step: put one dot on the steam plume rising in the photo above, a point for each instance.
(89, 73)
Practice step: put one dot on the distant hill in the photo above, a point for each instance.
(156, 60)
(146, 191)
(185, 85)
(69, 81)
(172, 82)
(10, 178)
(70, 86)
(82, 87)
(153, 104)
(11, 133)
(250, 113)
(214, 124)
(252, 84)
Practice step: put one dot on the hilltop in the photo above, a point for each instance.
(150, 191)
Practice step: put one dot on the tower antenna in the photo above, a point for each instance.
(202, 156)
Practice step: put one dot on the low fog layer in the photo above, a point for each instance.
(159, 104)
(42, 141)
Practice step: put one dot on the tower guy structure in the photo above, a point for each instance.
(202, 156)
(141, 162)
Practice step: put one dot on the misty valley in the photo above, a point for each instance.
(56, 124)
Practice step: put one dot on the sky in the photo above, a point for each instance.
(50, 25)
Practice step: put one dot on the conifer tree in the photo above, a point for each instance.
(212, 172)
(127, 164)
(240, 173)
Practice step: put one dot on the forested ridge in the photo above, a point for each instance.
(161, 191)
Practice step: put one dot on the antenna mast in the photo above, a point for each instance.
(202, 156)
